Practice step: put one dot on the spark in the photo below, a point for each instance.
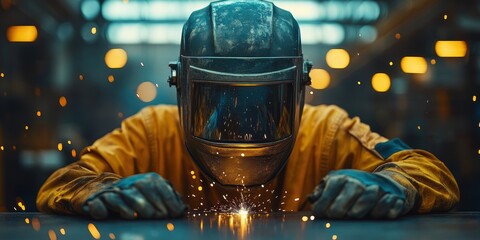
(390, 63)
(474, 98)
(81, 77)
(327, 225)
(358, 82)
(445, 17)
(52, 234)
(141, 63)
(94, 30)
(62, 101)
(170, 227)
(2, 74)
(200, 188)
(111, 235)
(27, 220)
(60, 146)
(36, 224)
(21, 205)
(334, 237)
(94, 231)
(39, 114)
(62, 231)
(304, 218)
(296, 199)
(312, 218)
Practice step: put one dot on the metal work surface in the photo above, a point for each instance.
(299, 225)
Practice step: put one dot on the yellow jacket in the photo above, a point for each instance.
(152, 141)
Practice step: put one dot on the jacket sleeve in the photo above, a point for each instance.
(121, 153)
(431, 186)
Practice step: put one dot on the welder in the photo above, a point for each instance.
(241, 122)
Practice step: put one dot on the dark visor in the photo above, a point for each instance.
(241, 113)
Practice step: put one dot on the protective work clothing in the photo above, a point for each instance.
(352, 193)
(148, 195)
(275, 149)
(152, 141)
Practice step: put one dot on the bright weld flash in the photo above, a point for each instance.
(243, 212)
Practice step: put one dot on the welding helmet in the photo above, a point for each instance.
(240, 82)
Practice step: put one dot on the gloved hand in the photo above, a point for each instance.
(139, 196)
(357, 194)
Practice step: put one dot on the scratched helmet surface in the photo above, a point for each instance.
(240, 82)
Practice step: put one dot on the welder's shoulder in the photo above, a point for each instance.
(163, 116)
(162, 110)
(323, 115)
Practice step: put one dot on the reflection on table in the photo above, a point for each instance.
(201, 225)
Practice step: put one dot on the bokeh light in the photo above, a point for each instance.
(338, 58)
(381, 82)
(116, 58)
(62, 101)
(146, 91)
(451, 48)
(22, 34)
(320, 78)
(90, 9)
(412, 64)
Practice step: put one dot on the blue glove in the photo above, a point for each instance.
(357, 194)
(139, 196)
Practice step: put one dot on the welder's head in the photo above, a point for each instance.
(240, 85)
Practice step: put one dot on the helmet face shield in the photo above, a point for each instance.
(241, 113)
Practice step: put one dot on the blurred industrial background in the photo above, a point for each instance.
(72, 70)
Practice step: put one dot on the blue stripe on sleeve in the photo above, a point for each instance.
(387, 149)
